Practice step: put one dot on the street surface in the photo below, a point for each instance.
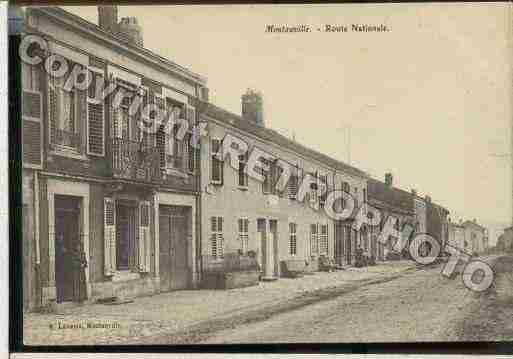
(391, 302)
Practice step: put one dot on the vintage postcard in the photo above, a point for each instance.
(225, 174)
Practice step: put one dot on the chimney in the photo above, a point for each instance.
(253, 107)
(130, 31)
(108, 18)
(389, 179)
(414, 192)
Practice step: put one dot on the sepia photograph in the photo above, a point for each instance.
(265, 174)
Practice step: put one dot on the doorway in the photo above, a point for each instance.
(269, 247)
(125, 235)
(174, 224)
(68, 281)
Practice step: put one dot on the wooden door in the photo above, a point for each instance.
(66, 237)
(173, 253)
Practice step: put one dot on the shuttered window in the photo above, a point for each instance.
(323, 240)
(293, 239)
(243, 224)
(95, 117)
(314, 239)
(323, 188)
(67, 111)
(109, 236)
(242, 175)
(267, 187)
(293, 186)
(216, 170)
(216, 238)
(32, 111)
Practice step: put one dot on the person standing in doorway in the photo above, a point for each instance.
(79, 267)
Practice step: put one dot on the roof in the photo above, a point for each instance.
(271, 135)
(468, 223)
(93, 29)
(394, 198)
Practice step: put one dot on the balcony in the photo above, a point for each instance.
(135, 161)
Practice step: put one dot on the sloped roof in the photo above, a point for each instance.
(394, 198)
(472, 223)
(91, 28)
(273, 136)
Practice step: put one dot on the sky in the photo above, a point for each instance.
(430, 100)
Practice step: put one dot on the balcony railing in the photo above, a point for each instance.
(66, 138)
(135, 160)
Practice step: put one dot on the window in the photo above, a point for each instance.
(365, 238)
(217, 240)
(172, 149)
(364, 195)
(292, 239)
(243, 235)
(66, 106)
(243, 177)
(293, 186)
(314, 240)
(313, 195)
(267, 183)
(323, 240)
(217, 166)
(95, 116)
(191, 153)
(323, 182)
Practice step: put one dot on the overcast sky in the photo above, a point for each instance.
(429, 101)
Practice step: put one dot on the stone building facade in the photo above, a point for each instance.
(255, 217)
(93, 182)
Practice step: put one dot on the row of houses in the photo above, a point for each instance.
(152, 213)
(468, 236)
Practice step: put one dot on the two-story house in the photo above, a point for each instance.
(95, 182)
(243, 214)
(390, 201)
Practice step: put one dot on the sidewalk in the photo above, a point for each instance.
(176, 311)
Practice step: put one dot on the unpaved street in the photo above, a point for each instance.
(392, 302)
(419, 306)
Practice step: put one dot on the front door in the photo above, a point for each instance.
(173, 252)
(125, 235)
(67, 239)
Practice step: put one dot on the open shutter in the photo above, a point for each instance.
(190, 116)
(95, 119)
(109, 236)
(216, 165)
(220, 238)
(144, 236)
(189, 150)
(53, 110)
(32, 110)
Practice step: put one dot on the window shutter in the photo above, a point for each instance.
(191, 116)
(109, 236)
(220, 239)
(53, 110)
(144, 236)
(32, 110)
(216, 165)
(190, 153)
(95, 122)
(114, 120)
